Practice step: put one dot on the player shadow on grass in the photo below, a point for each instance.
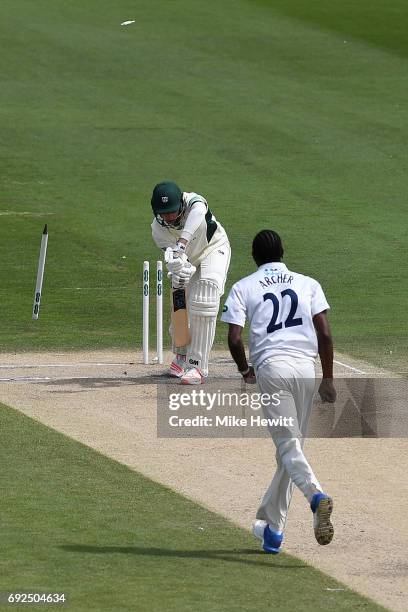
(230, 555)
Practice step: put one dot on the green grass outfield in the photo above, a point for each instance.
(284, 114)
(76, 522)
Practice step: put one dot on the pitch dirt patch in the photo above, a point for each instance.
(107, 400)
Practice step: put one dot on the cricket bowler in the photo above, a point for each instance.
(197, 256)
(287, 314)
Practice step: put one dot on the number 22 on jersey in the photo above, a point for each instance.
(290, 321)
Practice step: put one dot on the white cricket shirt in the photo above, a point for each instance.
(279, 305)
(204, 236)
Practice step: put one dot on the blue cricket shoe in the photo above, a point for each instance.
(271, 540)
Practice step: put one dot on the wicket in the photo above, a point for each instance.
(159, 311)
(40, 273)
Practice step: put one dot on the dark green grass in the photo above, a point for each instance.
(76, 522)
(260, 106)
(378, 23)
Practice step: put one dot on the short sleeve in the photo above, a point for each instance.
(319, 302)
(234, 310)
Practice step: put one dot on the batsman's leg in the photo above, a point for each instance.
(205, 291)
(204, 304)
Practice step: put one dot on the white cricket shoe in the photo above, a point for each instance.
(258, 528)
(177, 366)
(192, 376)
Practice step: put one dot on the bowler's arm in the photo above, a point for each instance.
(237, 350)
(325, 347)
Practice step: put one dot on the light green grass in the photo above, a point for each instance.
(76, 522)
(260, 106)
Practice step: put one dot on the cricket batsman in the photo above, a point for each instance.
(198, 256)
(288, 328)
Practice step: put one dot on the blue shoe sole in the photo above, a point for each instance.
(271, 551)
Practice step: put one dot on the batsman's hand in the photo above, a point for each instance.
(175, 260)
(250, 377)
(180, 280)
(327, 391)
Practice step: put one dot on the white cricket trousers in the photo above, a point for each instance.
(294, 379)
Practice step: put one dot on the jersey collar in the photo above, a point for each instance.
(273, 265)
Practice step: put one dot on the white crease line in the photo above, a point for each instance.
(40, 378)
(349, 367)
(25, 378)
(128, 363)
(61, 365)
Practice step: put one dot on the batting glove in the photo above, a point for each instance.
(175, 260)
(182, 279)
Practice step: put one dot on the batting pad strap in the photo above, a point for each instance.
(179, 350)
(204, 299)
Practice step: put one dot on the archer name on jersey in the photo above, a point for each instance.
(279, 305)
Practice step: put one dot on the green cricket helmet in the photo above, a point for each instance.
(167, 197)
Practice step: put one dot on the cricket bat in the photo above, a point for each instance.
(179, 314)
(179, 318)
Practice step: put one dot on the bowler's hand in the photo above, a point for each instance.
(327, 391)
(250, 378)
